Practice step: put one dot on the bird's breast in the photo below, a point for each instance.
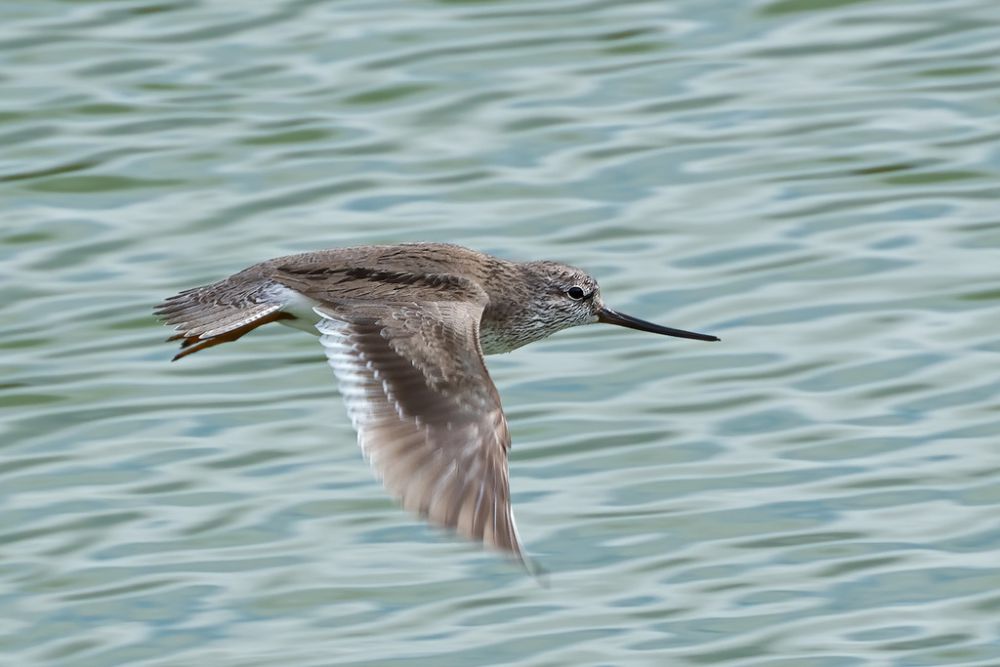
(492, 342)
(496, 339)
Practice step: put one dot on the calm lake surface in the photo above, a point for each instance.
(815, 181)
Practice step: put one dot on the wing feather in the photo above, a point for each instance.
(427, 414)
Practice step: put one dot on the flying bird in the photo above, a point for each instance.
(405, 328)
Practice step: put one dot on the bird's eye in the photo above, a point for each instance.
(576, 293)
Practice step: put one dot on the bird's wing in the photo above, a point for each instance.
(427, 413)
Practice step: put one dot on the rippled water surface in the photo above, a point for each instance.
(816, 181)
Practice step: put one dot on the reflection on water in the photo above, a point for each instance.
(814, 181)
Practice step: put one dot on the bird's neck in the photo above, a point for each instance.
(510, 319)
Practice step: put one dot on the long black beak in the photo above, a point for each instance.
(609, 316)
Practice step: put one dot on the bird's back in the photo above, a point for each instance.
(413, 258)
(286, 288)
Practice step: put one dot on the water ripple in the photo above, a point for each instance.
(812, 180)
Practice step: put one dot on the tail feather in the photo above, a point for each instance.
(193, 344)
(218, 313)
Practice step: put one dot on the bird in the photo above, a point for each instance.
(405, 328)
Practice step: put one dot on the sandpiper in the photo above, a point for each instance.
(405, 328)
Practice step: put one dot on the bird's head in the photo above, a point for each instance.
(565, 296)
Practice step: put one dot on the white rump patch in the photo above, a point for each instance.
(297, 304)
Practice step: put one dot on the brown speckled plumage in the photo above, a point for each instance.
(405, 328)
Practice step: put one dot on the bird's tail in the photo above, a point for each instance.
(217, 313)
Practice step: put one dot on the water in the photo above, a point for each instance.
(815, 182)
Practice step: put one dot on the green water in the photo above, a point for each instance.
(817, 182)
